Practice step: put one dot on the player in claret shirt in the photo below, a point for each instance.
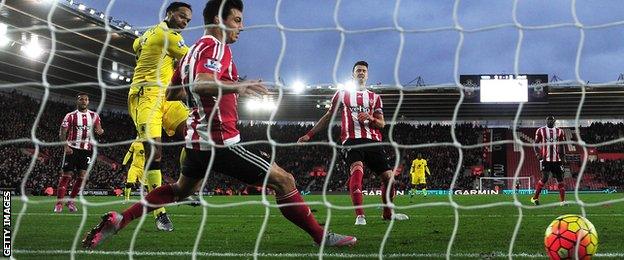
(551, 156)
(210, 81)
(76, 132)
(362, 121)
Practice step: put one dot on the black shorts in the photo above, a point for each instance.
(373, 157)
(556, 168)
(249, 166)
(77, 161)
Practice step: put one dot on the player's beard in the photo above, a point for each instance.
(233, 37)
(361, 83)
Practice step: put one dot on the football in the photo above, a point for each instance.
(565, 233)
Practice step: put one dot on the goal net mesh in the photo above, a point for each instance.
(393, 145)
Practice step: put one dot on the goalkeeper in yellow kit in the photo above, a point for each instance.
(419, 179)
(136, 158)
(157, 50)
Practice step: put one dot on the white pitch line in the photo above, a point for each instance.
(291, 255)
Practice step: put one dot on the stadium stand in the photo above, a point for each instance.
(107, 174)
(21, 110)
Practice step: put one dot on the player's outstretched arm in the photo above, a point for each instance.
(206, 85)
(323, 123)
(319, 126)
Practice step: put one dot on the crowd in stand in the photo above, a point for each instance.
(21, 111)
(599, 132)
(610, 172)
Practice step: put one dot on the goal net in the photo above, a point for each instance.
(44, 67)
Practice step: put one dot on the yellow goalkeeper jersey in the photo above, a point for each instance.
(156, 51)
(137, 153)
(419, 166)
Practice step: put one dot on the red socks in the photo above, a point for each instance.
(300, 214)
(355, 189)
(61, 190)
(387, 212)
(540, 185)
(538, 189)
(76, 187)
(161, 195)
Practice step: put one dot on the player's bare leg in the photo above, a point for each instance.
(387, 196)
(297, 211)
(355, 189)
(190, 200)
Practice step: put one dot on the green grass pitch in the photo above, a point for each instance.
(231, 232)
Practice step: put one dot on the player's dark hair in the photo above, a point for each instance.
(361, 62)
(212, 9)
(551, 117)
(175, 5)
(82, 94)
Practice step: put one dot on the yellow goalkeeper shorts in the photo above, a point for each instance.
(151, 112)
(418, 180)
(174, 113)
(135, 174)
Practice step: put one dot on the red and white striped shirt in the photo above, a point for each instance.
(552, 138)
(209, 55)
(78, 126)
(354, 102)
